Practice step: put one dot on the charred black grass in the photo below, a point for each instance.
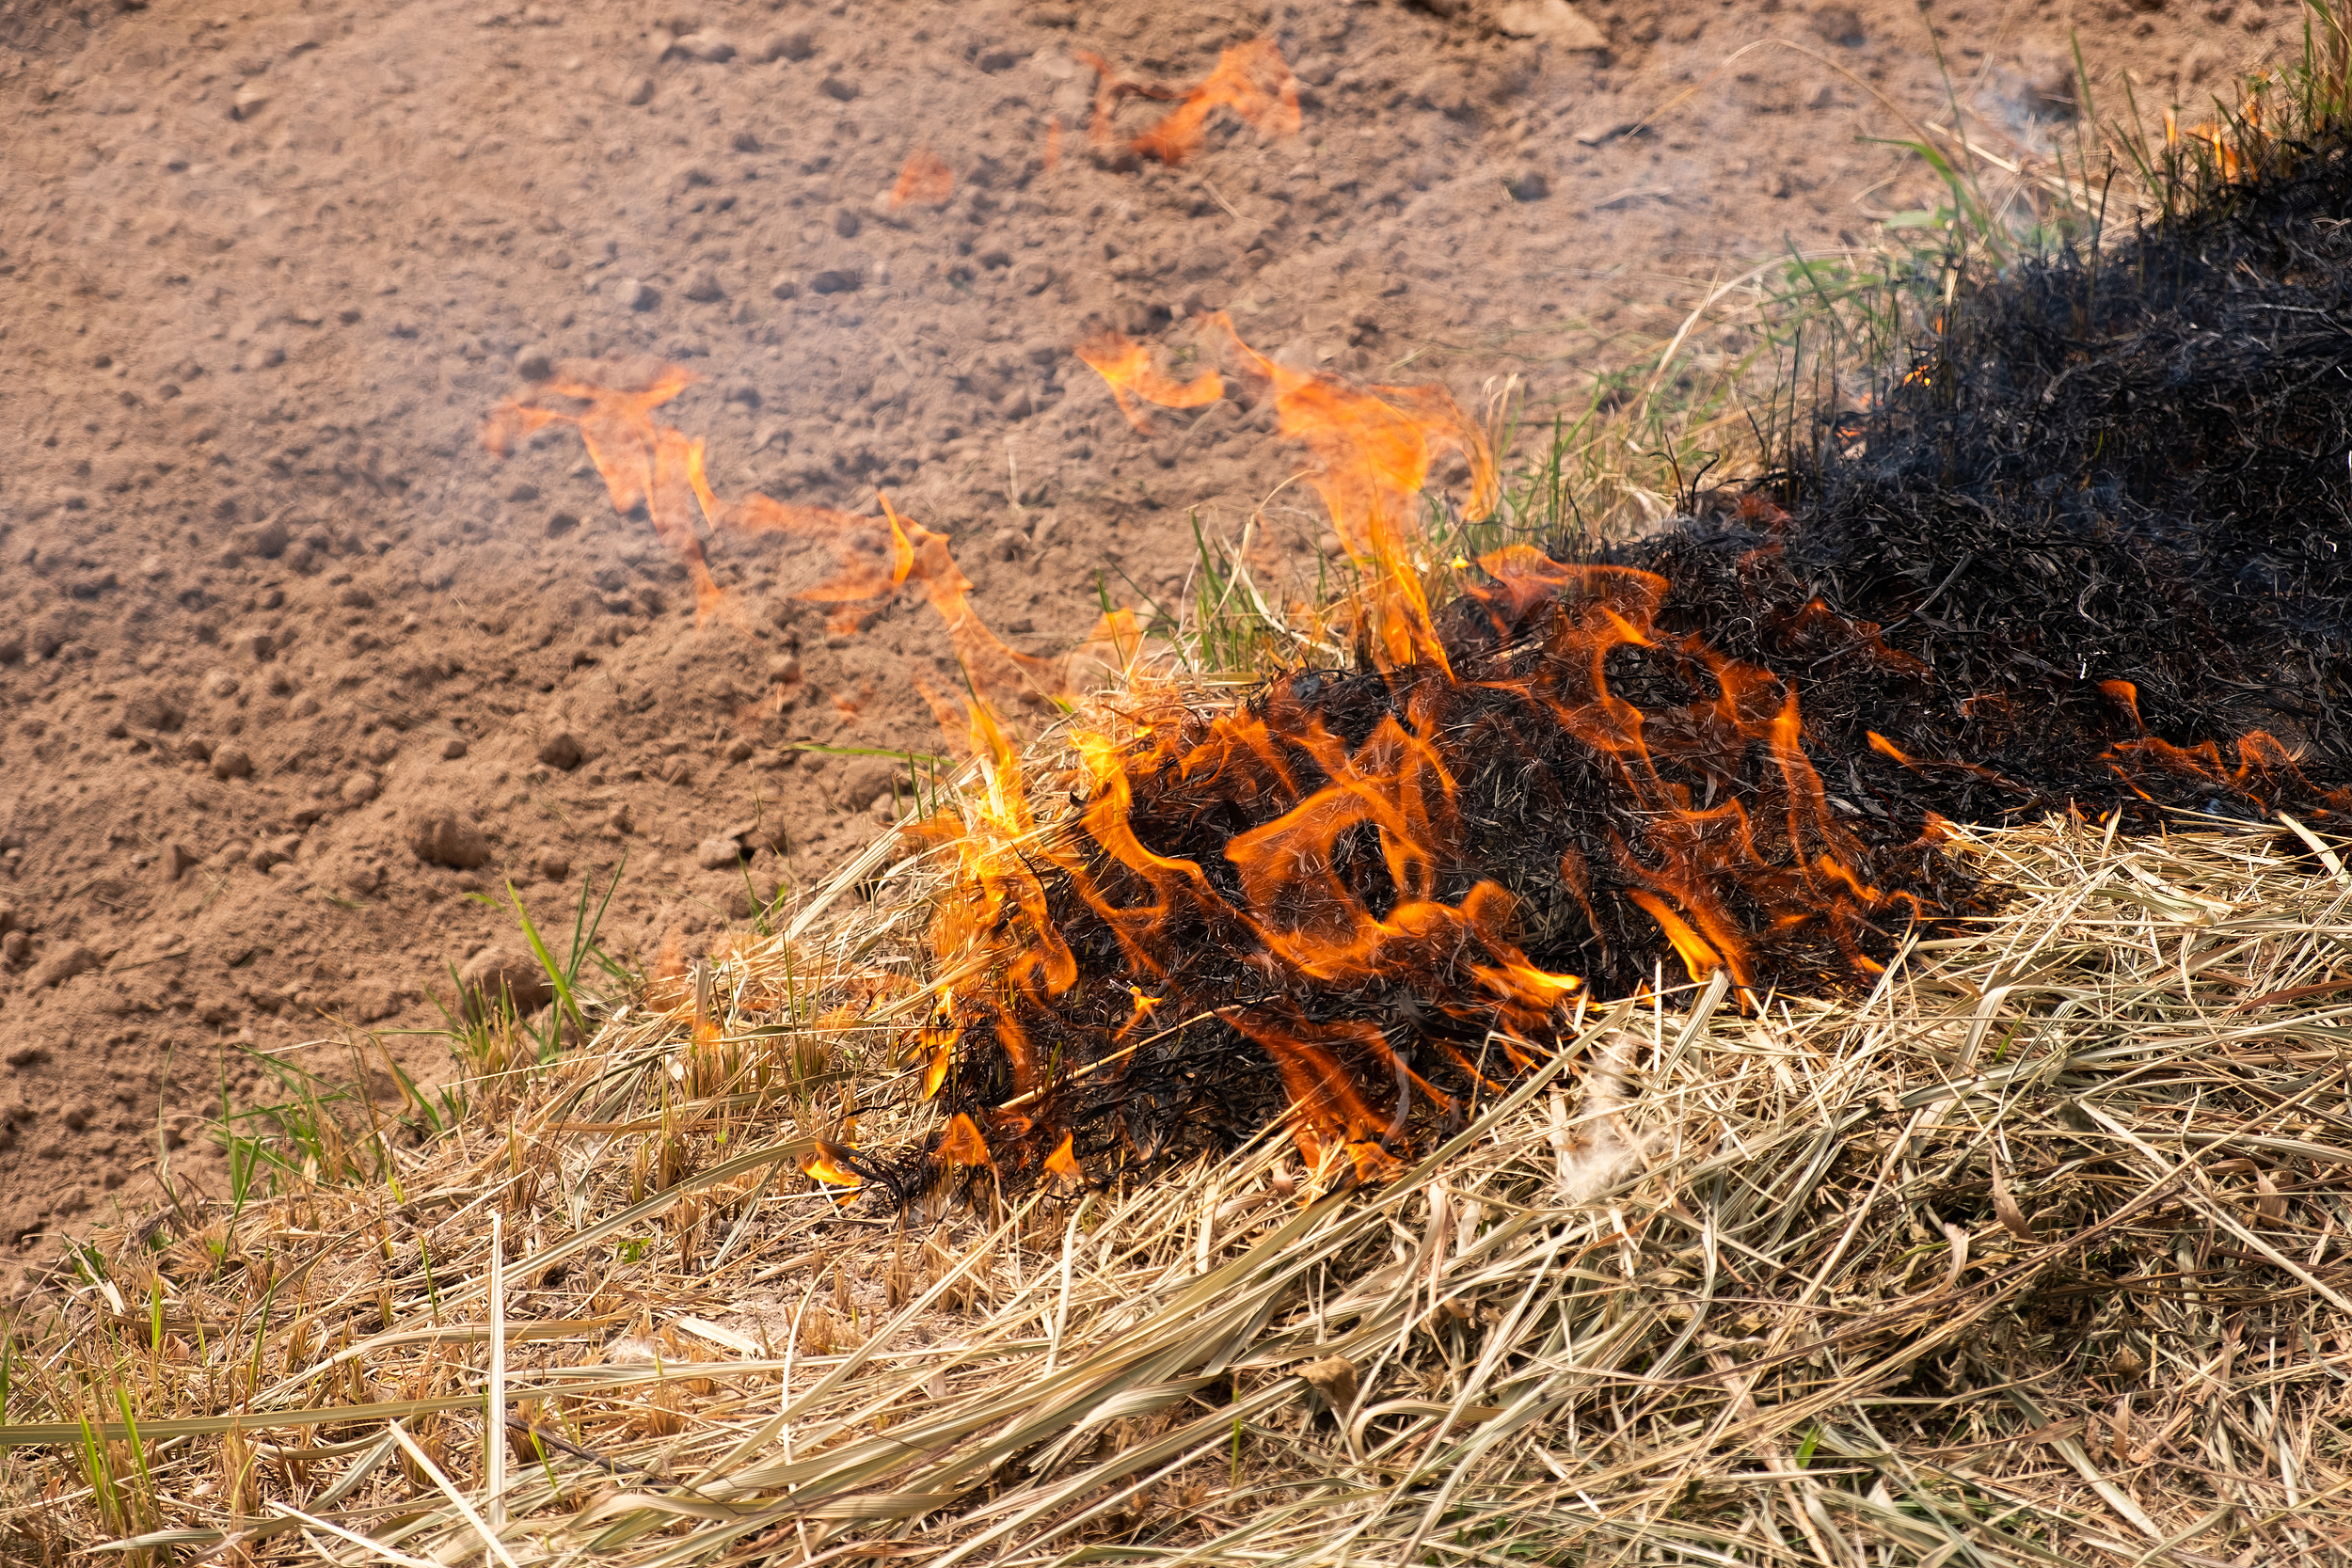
(2090, 551)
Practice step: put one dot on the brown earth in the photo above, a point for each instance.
(272, 623)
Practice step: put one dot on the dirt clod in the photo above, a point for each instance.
(439, 838)
(63, 964)
(562, 750)
(494, 973)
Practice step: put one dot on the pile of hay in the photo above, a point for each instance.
(2037, 1252)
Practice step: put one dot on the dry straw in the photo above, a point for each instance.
(2036, 1252)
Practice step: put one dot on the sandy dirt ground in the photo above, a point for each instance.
(290, 668)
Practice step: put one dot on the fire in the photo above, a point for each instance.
(925, 178)
(1126, 365)
(640, 461)
(643, 460)
(1375, 448)
(1251, 79)
(1318, 874)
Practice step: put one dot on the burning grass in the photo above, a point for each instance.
(2032, 1253)
(1914, 1229)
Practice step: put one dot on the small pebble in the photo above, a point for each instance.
(454, 748)
(220, 683)
(703, 288)
(638, 92)
(787, 46)
(636, 295)
(562, 750)
(231, 762)
(359, 789)
(718, 854)
(710, 48)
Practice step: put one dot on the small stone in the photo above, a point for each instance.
(638, 91)
(1552, 21)
(248, 102)
(1528, 187)
(840, 89)
(868, 780)
(454, 748)
(274, 852)
(1840, 25)
(16, 947)
(552, 867)
(383, 748)
(535, 364)
(846, 224)
(703, 288)
(439, 838)
(562, 750)
(63, 964)
(196, 748)
(220, 683)
(710, 48)
(783, 669)
(787, 46)
(356, 597)
(493, 977)
(783, 285)
(522, 491)
(231, 762)
(718, 854)
(154, 566)
(834, 283)
(175, 860)
(636, 295)
(359, 789)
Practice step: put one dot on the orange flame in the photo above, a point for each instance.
(1126, 365)
(640, 461)
(1375, 445)
(1251, 79)
(962, 1146)
(830, 1166)
(1062, 1165)
(925, 178)
(1728, 886)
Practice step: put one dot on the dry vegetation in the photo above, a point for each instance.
(2033, 1252)
(2037, 1253)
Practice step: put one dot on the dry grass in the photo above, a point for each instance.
(2034, 1254)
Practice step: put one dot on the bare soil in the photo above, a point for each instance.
(272, 621)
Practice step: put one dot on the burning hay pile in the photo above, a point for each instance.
(1820, 1036)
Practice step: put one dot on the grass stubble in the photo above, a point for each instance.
(2035, 1253)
